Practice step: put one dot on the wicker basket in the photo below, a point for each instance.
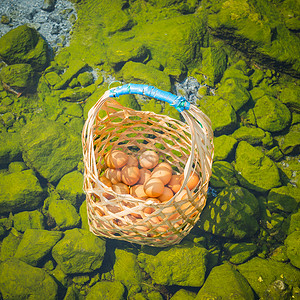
(188, 147)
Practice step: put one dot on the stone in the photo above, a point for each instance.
(10, 244)
(19, 77)
(79, 251)
(28, 220)
(290, 97)
(224, 147)
(83, 216)
(24, 45)
(294, 222)
(64, 214)
(183, 266)
(292, 243)
(285, 198)
(129, 101)
(25, 193)
(175, 69)
(289, 144)
(53, 153)
(52, 78)
(290, 170)
(255, 170)
(224, 282)
(5, 226)
(256, 78)
(85, 78)
(235, 93)
(279, 254)
(10, 149)
(232, 214)
(36, 244)
(252, 135)
(239, 252)
(261, 273)
(19, 280)
(139, 73)
(16, 166)
(271, 115)
(275, 153)
(214, 61)
(236, 73)
(127, 271)
(49, 5)
(223, 174)
(70, 187)
(183, 294)
(8, 119)
(106, 290)
(77, 94)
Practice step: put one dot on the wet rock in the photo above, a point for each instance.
(140, 73)
(16, 166)
(290, 97)
(25, 193)
(223, 174)
(261, 273)
(77, 94)
(85, 78)
(292, 243)
(224, 147)
(183, 266)
(233, 214)
(10, 149)
(10, 245)
(251, 135)
(83, 216)
(224, 282)
(24, 45)
(239, 252)
(255, 170)
(294, 222)
(290, 170)
(278, 290)
(126, 270)
(53, 153)
(236, 74)
(183, 294)
(290, 143)
(70, 187)
(36, 244)
(49, 5)
(79, 252)
(106, 290)
(64, 214)
(19, 280)
(175, 69)
(271, 114)
(275, 153)
(52, 78)
(28, 219)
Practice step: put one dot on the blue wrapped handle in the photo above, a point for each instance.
(179, 102)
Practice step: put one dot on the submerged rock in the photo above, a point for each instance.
(28, 219)
(224, 147)
(10, 245)
(224, 282)
(10, 149)
(290, 143)
(223, 174)
(106, 290)
(183, 294)
(251, 135)
(19, 280)
(292, 243)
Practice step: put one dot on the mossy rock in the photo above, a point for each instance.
(294, 222)
(77, 94)
(252, 135)
(271, 114)
(129, 101)
(25, 193)
(236, 73)
(255, 170)
(239, 252)
(224, 282)
(290, 96)
(107, 290)
(19, 280)
(224, 147)
(18, 76)
(24, 45)
(85, 78)
(292, 243)
(232, 214)
(290, 143)
(139, 73)
(10, 149)
(28, 220)
(175, 69)
(52, 78)
(223, 175)
(83, 216)
(16, 166)
(183, 294)
(36, 244)
(275, 153)
(10, 245)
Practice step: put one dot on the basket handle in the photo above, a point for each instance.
(179, 102)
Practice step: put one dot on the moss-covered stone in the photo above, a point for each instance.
(10, 244)
(139, 73)
(64, 214)
(236, 73)
(175, 69)
(77, 94)
(129, 101)
(275, 153)
(25, 193)
(224, 282)
(223, 174)
(255, 170)
(238, 253)
(271, 114)
(233, 214)
(290, 143)
(292, 243)
(28, 219)
(290, 96)
(10, 149)
(16, 166)
(251, 135)
(224, 147)
(126, 270)
(52, 78)
(79, 251)
(290, 170)
(294, 222)
(50, 148)
(19, 280)
(183, 294)
(83, 216)
(85, 78)
(107, 290)
(183, 266)
(25, 45)
(261, 273)
(36, 244)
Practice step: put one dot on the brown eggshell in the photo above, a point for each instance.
(137, 191)
(166, 195)
(148, 159)
(114, 175)
(116, 159)
(192, 181)
(120, 188)
(165, 165)
(130, 175)
(175, 183)
(144, 175)
(163, 173)
(105, 181)
(154, 187)
(132, 161)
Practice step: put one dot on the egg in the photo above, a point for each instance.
(148, 210)
(154, 187)
(166, 195)
(120, 188)
(144, 175)
(181, 196)
(137, 191)
(132, 161)
(114, 175)
(162, 172)
(192, 181)
(130, 175)
(105, 181)
(175, 183)
(116, 159)
(148, 159)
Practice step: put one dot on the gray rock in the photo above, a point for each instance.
(49, 5)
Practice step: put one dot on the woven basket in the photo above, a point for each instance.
(188, 147)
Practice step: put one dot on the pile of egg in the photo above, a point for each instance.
(144, 177)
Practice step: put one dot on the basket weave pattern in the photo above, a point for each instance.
(187, 147)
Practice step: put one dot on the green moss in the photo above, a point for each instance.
(251, 135)
(184, 294)
(107, 290)
(239, 252)
(289, 143)
(52, 78)
(85, 78)
(223, 174)
(224, 147)
(28, 219)
(10, 244)
(10, 147)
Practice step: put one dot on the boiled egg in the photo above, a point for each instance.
(116, 159)
(148, 159)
